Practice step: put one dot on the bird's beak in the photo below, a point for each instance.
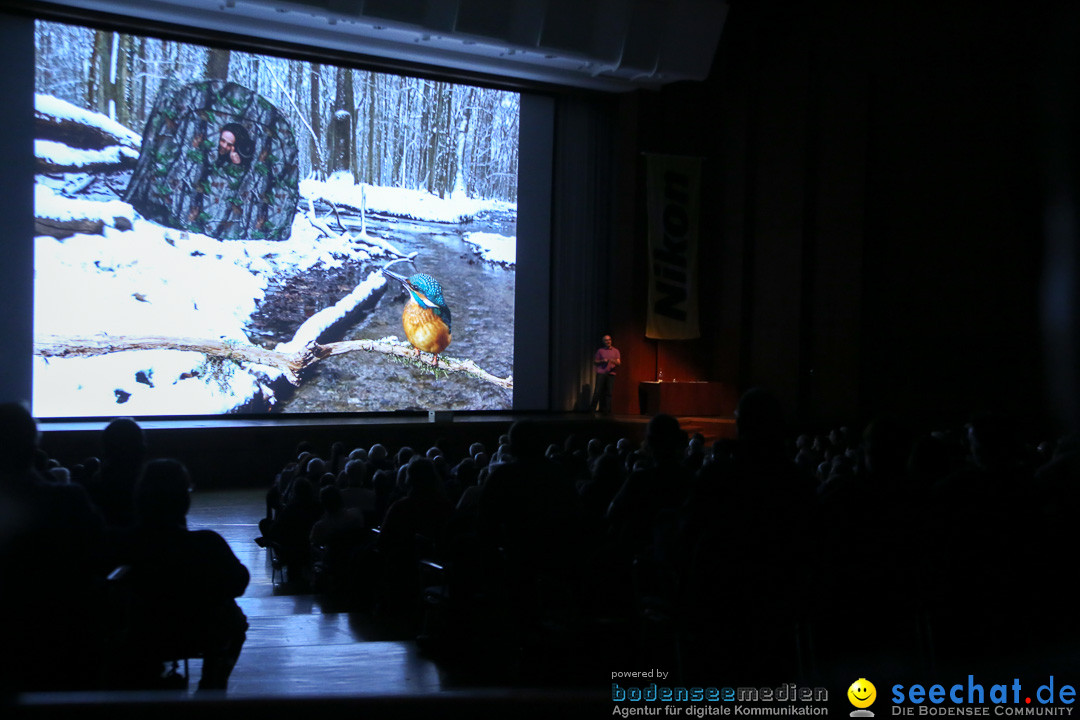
(400, 278)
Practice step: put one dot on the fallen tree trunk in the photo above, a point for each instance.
(77, 134)
(407, 351)
(61, 229)
(54, 157)
(92, 345)
(290, 364)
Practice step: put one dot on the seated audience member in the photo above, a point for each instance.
(52, 571)
(335, 537)
(335, 519)
(314, 470)
(462, 477)
(593, 450)
(598, 491)
(384, 483)
(983, 518)
(662, 483)
(442, 469)
(575, 457)
(279, 490)
(289, 534)
(418, 518)
(469, 502)
(357, 491)
(404, 454)
(59, 475)
(695, 452)
(528, 507)
(752, 509)
(423, 511)
(502, 452)
(184, 583)
(338, 458)
(378, 457)
(123, 450)
(82, 473)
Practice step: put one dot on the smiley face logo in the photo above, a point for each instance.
(862, 693)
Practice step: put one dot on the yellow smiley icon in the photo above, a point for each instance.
(862, 693)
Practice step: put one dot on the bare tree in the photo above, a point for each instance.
(217, 64)
(139, 91)
(385, 129)
(341, 126)
(100, 60)
(372, 94)
(119, 89)
(315, 75)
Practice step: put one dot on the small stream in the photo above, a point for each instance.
(481, 300)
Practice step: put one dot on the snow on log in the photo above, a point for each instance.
(391, 346)
(291, 364)
(61, 217)
(326, 318)
(71, 139)
(90, 345)
(363, 238)
(58, 120)
(494, 248)
(57, 157)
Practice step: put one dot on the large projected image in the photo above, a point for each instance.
(225, 232)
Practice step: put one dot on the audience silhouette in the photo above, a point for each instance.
(184, 584)
(730, 560)
(288, 533)
(123, 450)
(52, 570)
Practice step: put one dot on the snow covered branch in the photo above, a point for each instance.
(61, 217)
(291, 364)
(407, 351)
(55, 157)
(70, 139)
(321, 225)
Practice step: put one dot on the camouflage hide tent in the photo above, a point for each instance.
(219, 159)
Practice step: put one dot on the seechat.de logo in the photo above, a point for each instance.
(975, 698)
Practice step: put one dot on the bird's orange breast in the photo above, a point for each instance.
(424, 328)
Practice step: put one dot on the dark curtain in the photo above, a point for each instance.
(581, 244)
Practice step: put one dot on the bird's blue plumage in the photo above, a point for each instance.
(429, 286)
(426, 317)
(423, 286)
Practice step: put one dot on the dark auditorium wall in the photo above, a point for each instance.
(871, 210)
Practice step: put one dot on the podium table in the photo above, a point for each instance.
(687, 398)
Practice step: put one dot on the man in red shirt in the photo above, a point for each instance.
(606, 360)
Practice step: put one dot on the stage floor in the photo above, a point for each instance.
(303, 649)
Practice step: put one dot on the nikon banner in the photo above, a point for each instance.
(673, 186)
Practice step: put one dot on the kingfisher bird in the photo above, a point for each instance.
(426, 317)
